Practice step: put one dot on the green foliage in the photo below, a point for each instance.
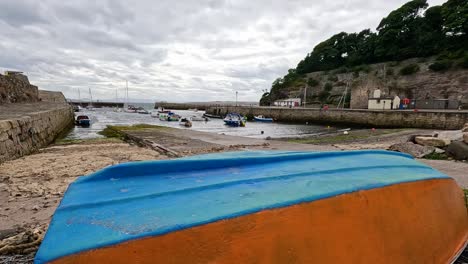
(389, 72)
(464, 62)
(265, 100)
(249, 116)
(333, 78)
(328, 87)
(312, 82)
(409, 69)
(436, 156)
(112, 132)
(363, 68)
(323, 96)
(341, 70)
(117, 131)
(410, 31)
(413, 30)
(441, 65)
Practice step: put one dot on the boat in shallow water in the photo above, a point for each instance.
(234, 119)
(83, 120)
(261, 118)
(261, 207)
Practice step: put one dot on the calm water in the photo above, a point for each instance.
(100, 118)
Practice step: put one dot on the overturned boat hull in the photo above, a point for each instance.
(261, 207)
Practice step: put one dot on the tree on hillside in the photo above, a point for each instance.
(455, 23)
(413, 30)
(398, 31)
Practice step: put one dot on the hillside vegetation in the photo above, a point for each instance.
(414, 30)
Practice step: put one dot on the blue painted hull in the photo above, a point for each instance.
(232, 123)
(84, 122)
(136, 200)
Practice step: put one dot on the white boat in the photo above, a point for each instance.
(154, 114)
(131, 109)
(142, 111)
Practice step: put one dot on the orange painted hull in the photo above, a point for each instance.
(416, 222)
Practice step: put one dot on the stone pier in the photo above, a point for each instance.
(29, 118)
(436, 119)
(24, 127)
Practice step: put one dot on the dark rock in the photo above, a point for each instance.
(458, 150)
(414, 150)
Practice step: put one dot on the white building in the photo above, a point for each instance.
(290, 102)
(378, 102)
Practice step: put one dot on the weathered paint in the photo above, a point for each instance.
(418, 222)
(135, 202)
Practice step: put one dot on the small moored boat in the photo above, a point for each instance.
(131, 109)
(212, 116)
(261, 118)
(143, 111)
(169, 116)
(244, 207)
(234, 119)
(83, 120)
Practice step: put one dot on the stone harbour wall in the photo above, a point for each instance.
(362, 117)
(50, 96)
(23, 135)
(16, 90)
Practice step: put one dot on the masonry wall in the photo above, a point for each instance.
(24, 135)
(368, 118)
(16, 90)
(50, 96)
(180, 106)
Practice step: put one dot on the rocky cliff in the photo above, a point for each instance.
(329, 86)
(17, 90)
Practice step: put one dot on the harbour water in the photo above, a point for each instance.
(101, 117)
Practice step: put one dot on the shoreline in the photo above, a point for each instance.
(32, 186)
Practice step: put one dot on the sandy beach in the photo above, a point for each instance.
(32, 186)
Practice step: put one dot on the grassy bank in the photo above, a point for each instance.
(116, 131)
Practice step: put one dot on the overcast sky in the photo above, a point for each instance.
(200, 50)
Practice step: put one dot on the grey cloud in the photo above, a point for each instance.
(190, 50)
(20, 13)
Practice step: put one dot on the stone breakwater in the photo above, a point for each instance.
(24, 128)
(359, 117)
(17, 90)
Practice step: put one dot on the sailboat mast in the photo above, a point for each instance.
(126, 93)
(90, 97)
